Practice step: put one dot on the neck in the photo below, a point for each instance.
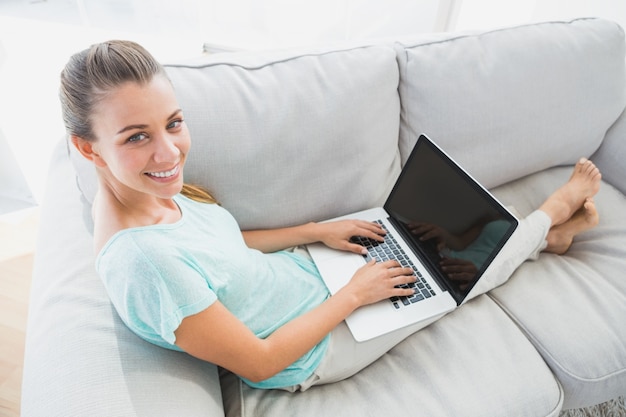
(133, 208)
(117, 208)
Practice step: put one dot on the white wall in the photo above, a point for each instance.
(557, 9)
(257, 24)
(483, 14)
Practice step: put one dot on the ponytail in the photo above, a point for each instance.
(198, 193)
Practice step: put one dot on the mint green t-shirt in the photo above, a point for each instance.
(158, 275)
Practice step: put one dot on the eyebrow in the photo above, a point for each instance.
(132, 127)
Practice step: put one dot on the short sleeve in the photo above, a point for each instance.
(153, 290)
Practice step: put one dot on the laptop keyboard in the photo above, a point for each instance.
(388, 250)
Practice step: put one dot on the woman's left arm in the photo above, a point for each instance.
(335, 235)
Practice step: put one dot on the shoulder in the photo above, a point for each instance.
(138, 250)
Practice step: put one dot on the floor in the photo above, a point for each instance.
(17, 242)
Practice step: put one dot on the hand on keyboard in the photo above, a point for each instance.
(390, 249)
(337, 235)
(376, 281)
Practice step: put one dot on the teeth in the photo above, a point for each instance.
(164, 174)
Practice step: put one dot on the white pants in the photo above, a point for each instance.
(345, 356)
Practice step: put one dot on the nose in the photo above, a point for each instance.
(166, 149)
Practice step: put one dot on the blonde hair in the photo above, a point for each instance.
(198, 193)
(91, 74)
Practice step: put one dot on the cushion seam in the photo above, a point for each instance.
(384, 45)
(490, 32)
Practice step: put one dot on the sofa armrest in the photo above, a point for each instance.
(80, 359)
(611, 155)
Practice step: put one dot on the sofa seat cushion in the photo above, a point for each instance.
(492, 99)
(283, 138)
(473, 362)
(580, 296)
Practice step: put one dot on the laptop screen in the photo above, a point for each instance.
(453, 221)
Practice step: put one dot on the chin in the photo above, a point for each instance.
(173, 191)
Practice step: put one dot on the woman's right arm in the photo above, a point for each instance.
(217, 336)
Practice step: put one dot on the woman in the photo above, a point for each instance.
(183, 276)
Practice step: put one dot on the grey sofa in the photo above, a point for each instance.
(285, 137)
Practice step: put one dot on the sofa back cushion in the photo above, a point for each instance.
(493, 99)
(286, 137)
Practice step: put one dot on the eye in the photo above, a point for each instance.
(175, 124)
(137, 137)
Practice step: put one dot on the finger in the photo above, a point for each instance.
(377, 227)
(400, 292)
(356, 248)
(403, 279)
(370, 263)
(402, 272)
(379, 237)
(390, 264)
(372, 231)
(402, 289)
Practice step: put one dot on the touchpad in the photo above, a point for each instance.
(338, 271)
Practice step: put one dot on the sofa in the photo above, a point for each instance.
(284, 137)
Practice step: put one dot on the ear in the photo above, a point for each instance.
(87, 150)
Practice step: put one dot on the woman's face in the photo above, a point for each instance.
(142, 140)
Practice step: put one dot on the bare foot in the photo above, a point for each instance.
(560, 237)
(584, 183)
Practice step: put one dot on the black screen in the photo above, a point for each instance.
(454, 222)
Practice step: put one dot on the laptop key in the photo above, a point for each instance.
(389, 249)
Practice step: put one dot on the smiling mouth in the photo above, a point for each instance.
(165, 174)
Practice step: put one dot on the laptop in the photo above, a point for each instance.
(436, 215)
